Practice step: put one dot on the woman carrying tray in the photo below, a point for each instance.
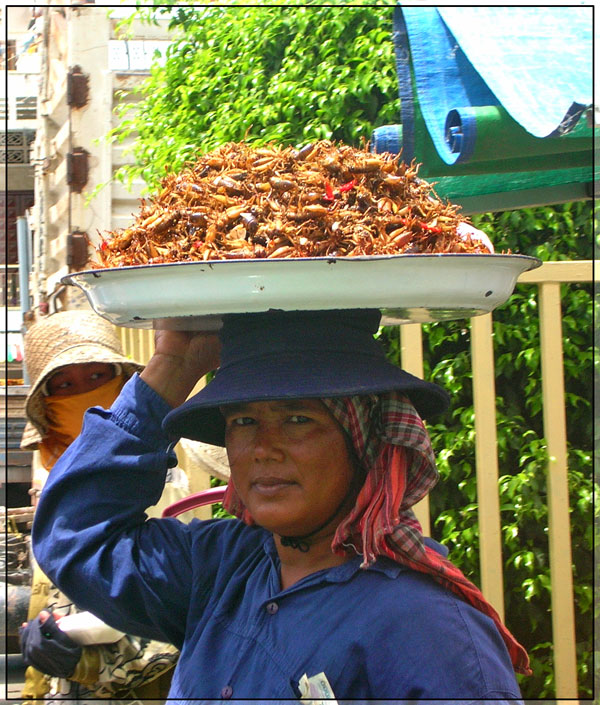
(324, 583)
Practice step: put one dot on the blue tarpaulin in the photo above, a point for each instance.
(534, 63)
(494, 90)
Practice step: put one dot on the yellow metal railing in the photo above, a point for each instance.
(548, 278)
(139, 346)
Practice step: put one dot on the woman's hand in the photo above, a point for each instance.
(45, 647)
(180, 359)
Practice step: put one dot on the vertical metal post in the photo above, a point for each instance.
(486, 461)
(411, 349)
(24, 254)
(559, 530)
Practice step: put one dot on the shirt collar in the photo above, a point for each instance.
(342, 573)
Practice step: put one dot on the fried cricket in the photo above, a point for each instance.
(324, 200)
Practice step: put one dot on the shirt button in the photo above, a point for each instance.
(272, 607)
(226, 691)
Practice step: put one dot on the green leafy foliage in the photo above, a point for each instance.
(218, 511)
(293, 74)
(263, 74)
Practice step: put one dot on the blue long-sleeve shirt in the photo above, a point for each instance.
(212, 588)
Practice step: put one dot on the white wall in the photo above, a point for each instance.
(82, 36)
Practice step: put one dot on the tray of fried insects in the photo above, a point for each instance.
(251, 229)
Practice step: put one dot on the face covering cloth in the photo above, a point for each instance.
(65, 417)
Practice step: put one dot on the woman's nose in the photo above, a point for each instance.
(267, 442)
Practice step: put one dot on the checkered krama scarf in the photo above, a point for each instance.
(390, 439)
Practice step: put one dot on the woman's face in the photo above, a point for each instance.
(80, 378)
(289, 463)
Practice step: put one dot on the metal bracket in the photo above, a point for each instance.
(77, 88)
(77, 250)
(77, 169)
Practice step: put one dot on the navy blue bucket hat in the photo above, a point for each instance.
(297, 355)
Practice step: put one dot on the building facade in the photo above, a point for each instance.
(67, 71)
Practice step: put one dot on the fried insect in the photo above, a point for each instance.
(325, 199)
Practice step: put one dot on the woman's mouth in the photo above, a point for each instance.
(271, 485)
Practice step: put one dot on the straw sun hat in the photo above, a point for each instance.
(65, 338)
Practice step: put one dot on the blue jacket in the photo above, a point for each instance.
(212, 587)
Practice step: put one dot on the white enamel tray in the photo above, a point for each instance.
(407, 288)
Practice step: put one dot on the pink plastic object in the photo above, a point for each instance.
(215, 494)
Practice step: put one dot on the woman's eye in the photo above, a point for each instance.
(241, 421)
(298, 418)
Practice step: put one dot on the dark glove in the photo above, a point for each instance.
(45, 647)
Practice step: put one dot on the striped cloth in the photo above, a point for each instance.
(391, 441)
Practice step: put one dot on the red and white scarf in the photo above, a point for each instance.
(390, 439)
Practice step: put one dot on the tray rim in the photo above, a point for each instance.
(534, 262)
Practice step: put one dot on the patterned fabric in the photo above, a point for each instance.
(392, 443)
(115, 670)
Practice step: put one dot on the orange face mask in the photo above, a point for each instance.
(65, 417)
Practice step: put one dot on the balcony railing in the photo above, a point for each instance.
(16, 146)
